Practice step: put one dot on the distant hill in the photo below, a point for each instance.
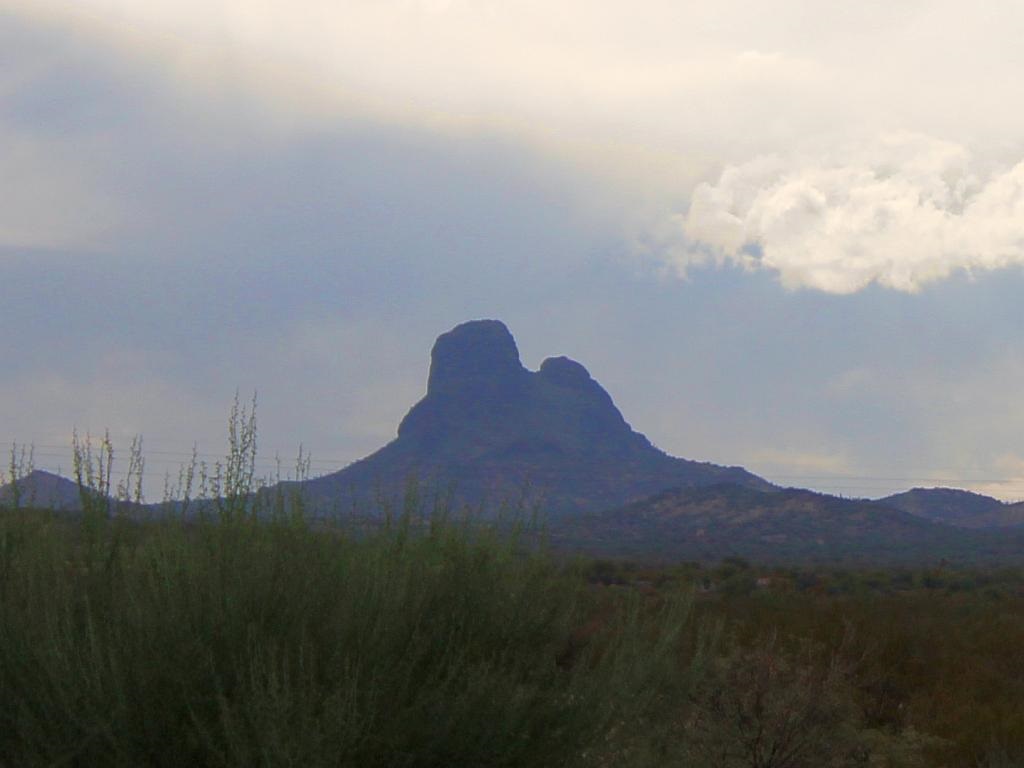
(956, 507)
(492, 429)
(43, 489)
(717, 521)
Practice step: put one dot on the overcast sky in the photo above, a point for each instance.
(784, 234)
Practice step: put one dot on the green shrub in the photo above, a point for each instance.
(269, 644)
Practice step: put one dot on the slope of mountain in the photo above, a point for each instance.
(716, 521)
(955, 507)
(43, 489)
(492, 429)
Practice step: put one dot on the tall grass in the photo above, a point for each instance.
(223, 628)
(21, 463)
(266, 643)
(234, 638)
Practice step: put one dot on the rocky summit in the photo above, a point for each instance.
(494, 432)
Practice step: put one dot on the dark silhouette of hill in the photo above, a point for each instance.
(43, 489)
(490, 428)
(956, 507)
(495, 432)
(716, 521)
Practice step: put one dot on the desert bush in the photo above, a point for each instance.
(265, 643)
(242, 635)
(788, 705)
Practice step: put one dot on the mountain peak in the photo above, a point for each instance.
(566, 372)
(479, 350)
(42, 488)
(494, 428)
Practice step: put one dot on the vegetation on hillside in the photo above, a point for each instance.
(710, 522)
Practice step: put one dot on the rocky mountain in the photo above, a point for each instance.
(712, 522)
(956, 507)
(493, 430)
(42, 489)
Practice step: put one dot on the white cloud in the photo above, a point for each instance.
(902, 211)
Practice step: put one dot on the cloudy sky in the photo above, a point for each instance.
(784, 234)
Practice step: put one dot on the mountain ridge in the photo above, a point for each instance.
(957, 507)
(494, 428)
(783, 525)
(490, 432)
